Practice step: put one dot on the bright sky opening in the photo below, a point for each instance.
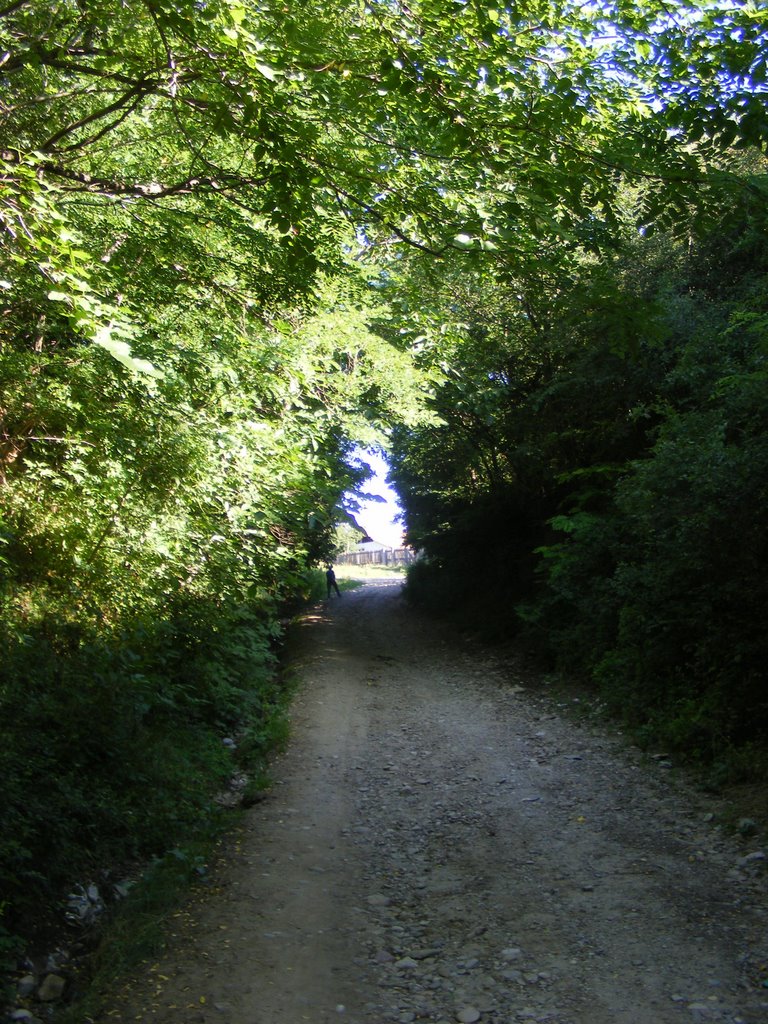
(378, 517)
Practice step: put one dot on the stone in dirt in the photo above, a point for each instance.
(468, 1015)
(26, 986)
(51, 989)
(378, 899)
(407, 962)
(512, 953)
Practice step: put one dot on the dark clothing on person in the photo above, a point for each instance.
(330, 579)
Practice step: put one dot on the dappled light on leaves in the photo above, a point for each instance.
(522, 246)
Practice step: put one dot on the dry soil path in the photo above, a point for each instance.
(442, 845)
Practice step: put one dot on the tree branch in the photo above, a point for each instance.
(373, 212)
(12, 7)
(138, 91)
(106, 129)
(52, 59)
(173, 84)
(152, 190)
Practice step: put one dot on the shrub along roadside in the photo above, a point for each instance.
(138, 926)
(112, 757)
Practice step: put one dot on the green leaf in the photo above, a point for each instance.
(121, 351)
(268, 72)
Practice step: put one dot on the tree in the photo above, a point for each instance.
(441, 124)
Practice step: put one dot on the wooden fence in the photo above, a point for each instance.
(383, 556)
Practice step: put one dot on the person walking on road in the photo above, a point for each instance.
(330, 579)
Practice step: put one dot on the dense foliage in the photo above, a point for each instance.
(236, 240)
(182, 382)
(601, 480)
(152, 535)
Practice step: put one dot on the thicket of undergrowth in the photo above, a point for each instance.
(112, 746)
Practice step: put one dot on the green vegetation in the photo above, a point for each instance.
(602, 478)
(182, 377)
(522, 245)
(138, 926)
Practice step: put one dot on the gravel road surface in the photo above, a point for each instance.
(444, 844)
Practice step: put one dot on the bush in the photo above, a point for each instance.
(112, 749)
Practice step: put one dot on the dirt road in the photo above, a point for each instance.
(442, 845)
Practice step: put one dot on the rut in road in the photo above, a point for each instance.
(441, 845)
